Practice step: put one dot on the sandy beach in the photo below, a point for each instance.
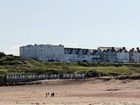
(73, 92)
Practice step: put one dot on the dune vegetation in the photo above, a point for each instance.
(15, 64)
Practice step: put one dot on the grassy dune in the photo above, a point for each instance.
(10, 64)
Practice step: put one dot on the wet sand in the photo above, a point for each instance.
(73, 92)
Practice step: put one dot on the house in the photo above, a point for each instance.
(122, 55)
(77, 55)
(95, 56)
(71, 54)
(108, 54)
(131, 55)
(111, 55)
(103, 53)
(134, 55)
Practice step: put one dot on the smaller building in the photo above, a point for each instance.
(80, 55)
(134, 55)
(111, 55)
(96, 56)
(122, 55)
(108, 54)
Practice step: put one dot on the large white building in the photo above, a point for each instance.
(43, 52)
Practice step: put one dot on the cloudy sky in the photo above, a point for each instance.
(73, 23)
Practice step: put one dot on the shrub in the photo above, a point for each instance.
(2, 54)
(92, 73)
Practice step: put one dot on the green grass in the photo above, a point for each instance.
(10, 64)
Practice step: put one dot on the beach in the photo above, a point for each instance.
(73, 92)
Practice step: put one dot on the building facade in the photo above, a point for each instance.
(134, 55)
(123, 55)
(80, 55)
(43, 52)
(60, 53)
(108, 54)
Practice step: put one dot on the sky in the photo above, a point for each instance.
(72, 23)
